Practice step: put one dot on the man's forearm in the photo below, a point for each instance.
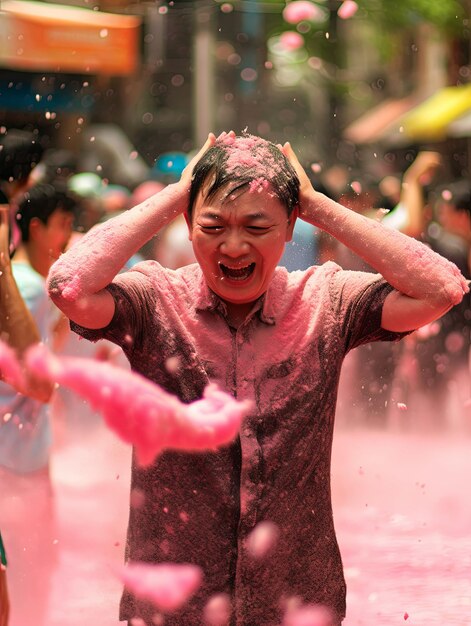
(408, 265)
(92, 263)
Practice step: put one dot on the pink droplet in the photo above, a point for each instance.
(262, 539)
(300, 10)
(447, 195)
(316, 168)
(290, 40)
(167, 585)
(217, 611)
(347, 9)
(406, 615)
(356, 186)
(311, 615)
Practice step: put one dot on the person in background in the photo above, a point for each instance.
(432, 376)
(19, 154)
(45, 214)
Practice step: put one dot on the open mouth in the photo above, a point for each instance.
(239, 273)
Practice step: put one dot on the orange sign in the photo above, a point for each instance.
(55, 38)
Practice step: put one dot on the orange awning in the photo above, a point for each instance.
(44, 37)
(377, 123)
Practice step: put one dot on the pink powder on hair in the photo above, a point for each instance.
(139, 411)
(249, 153)
(167, 585)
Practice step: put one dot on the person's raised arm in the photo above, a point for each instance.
(77, 281)
(426, 285)
(17, 326)
(419, 174)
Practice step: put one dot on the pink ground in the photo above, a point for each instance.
(402, 512)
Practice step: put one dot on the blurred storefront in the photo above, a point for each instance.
(61, 64)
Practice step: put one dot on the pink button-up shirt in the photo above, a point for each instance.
(286, 358)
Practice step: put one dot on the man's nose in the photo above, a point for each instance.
(234, 244)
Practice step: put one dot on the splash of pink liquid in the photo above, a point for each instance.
(347, 9)
(10, 367)
(300, 10)
(139, 411)
(167, 585)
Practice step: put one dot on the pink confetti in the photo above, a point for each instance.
(167, 585)
(401, 406)
(316, 168)
(347, 9)
(217, 611)
(262, 539)
(447, 195)
(406, 615)
(139, 411)
(300, 10)
(356, 186)
(310, 615)
(290, 40)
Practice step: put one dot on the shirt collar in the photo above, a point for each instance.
(207, 300)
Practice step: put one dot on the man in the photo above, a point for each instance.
(261, 333)
(44, 218)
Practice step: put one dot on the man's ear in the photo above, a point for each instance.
(291, 222)
(189, 225)
(35, 228)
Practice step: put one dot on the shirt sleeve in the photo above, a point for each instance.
(134, 297)
(357, 299)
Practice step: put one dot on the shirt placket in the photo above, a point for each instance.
(251, 452)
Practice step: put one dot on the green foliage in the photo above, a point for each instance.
(447, 15)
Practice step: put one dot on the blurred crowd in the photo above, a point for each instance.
(52, 197)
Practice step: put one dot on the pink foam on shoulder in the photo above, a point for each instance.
(142, 413)
(167, 585)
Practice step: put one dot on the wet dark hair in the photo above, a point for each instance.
(40, 202)
(461, 196)
(213, 164)
(20, 151)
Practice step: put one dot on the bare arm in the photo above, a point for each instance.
(17, 326)
(78, 279)
(412, 195)
(426, 285)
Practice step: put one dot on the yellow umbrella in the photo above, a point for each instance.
(430, 119)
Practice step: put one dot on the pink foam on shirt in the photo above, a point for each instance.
(139, 411)
(167, 585)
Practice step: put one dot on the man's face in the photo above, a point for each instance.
(238, 238)
(53, 237)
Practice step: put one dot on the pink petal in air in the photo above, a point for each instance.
(167, 585)
(347, 9)
(301, 10)
(140, 412)
(309, 615)
(290, 40)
